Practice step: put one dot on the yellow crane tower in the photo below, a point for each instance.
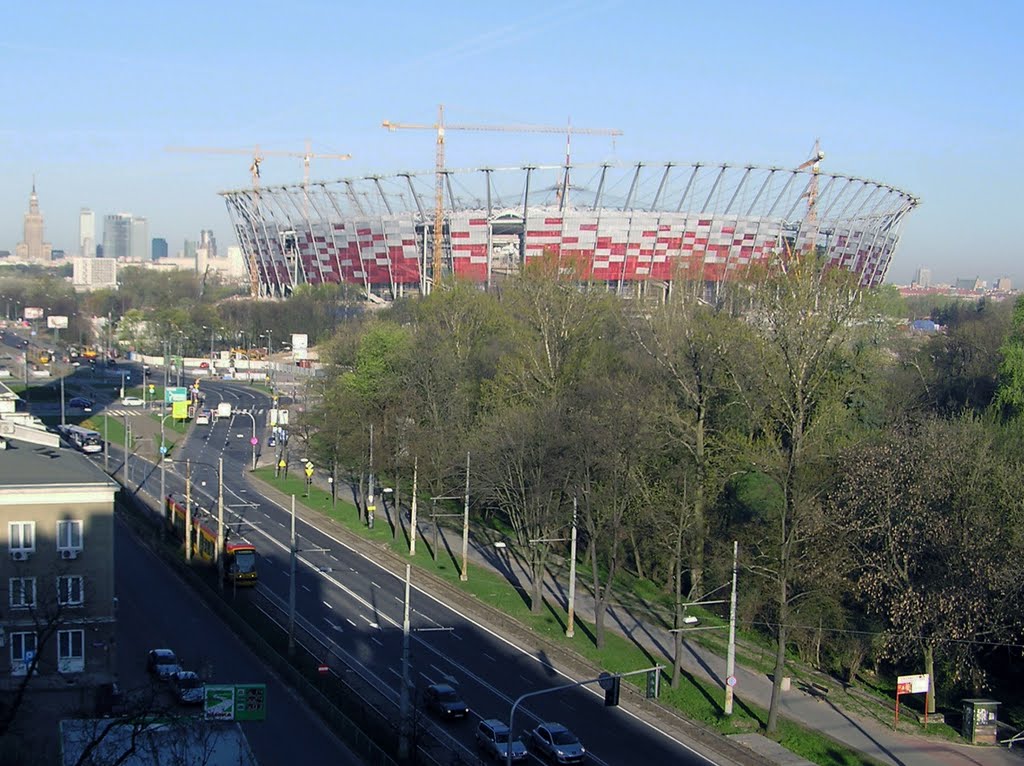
(258, 156)
(441, 127)
(814, 163)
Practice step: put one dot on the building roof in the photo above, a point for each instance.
(24, 465)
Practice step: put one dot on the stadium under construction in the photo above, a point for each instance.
(628, 226)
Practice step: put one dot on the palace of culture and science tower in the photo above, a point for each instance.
(33, 249)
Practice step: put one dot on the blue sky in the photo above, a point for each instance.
(922, 96)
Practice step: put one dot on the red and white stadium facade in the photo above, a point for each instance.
(620, 225)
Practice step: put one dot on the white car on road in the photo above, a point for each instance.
(132, 401)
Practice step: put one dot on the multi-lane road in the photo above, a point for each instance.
(358, 606)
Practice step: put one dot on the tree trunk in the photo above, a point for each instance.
(929, 668)
(780, 660)
(677, 619)
(599, 604)
(537, 586)
(697, 528)
(636, 556)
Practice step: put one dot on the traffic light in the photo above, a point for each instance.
(611, 694)
(653, 678)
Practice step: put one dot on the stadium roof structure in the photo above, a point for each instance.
(620, 224)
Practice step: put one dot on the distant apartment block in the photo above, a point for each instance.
(1004, 284)
(88, 274)
(923, 277)
(159, 248)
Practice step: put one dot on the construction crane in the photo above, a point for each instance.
(441, 127)
(814, 163)
(258, 156)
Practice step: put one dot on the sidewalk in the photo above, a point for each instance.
(861, 733)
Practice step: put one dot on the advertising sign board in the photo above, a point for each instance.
(300, 345)
(55, 322)
(33, 312)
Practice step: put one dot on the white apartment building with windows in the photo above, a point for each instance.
(57, 615)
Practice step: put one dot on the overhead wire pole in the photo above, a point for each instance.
(441, 128)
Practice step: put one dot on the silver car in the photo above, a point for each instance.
(492, 737)
(555, 743)
(188, 688)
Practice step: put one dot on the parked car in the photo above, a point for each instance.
(132, 401)
(80, 403)
(163, 663)
(553, 742)
(492, 738)
(445, 701)
(188, 687)
(271, 441)
(204, 365)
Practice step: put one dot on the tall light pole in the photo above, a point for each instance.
(220, 523)
(370, 507)
(188, 511)
(254, 441)
(292, 547)
(464, 574)
(730, 657)
(404, 700)
(570, 629)
(412, 512)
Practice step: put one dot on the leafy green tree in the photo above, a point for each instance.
(1010, 394)
(795, 380)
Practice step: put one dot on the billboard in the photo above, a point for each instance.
(33, 312)
(300, 344)
(235, 702)
(57, 322)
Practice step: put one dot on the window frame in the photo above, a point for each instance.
(21, 526)
(69, 526)
(19, 665)
(65, 588)
(70, 662)
(21, 590)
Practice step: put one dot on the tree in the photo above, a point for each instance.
(929, 511)
(524, 467)
(795, 380)
(1010, 394)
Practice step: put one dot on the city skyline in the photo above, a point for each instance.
(919, 102)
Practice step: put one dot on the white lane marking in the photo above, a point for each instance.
(350, 622)
(327, 605)
(485, 654)
(375, 585)
(376, 641)
(307, 588)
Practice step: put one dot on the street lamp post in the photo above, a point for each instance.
(254, 441)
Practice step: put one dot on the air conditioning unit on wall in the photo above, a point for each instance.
(69, 554)
(19, 555)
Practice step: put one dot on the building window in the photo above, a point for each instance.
(70, 651)
(21, 536)
(69, 535)
(23, 592)
(23, 651)
(70, 590)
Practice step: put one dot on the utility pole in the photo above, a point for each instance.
(730, 658)
(370, 508)
(188, 511)
(291, 587)
(106, 445)
(570, 629)
(412, 512)
(62, 415)
(220, 523)
(404, 700)
(464, 574)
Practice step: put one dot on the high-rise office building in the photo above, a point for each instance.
(33, 249)
(87, 233)
(117, 236)
(159, 248)
(141, 247)
(924, 277)
(190, 248)
(207, 241)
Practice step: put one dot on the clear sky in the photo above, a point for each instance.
(923, 96)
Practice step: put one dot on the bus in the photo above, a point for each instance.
(83, 439)
(239, 555)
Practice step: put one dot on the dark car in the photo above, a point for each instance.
(493, 739)
(553, 742)
(80, 403)
(445, 701)
(163, 663)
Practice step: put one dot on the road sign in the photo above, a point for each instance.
(309, 469)
(323, 669)
(254, 441)
(281, 463)
(163, 450)
(219, 704)
(250, 702)
(731, 680)
(605, 681)
(152, 388)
